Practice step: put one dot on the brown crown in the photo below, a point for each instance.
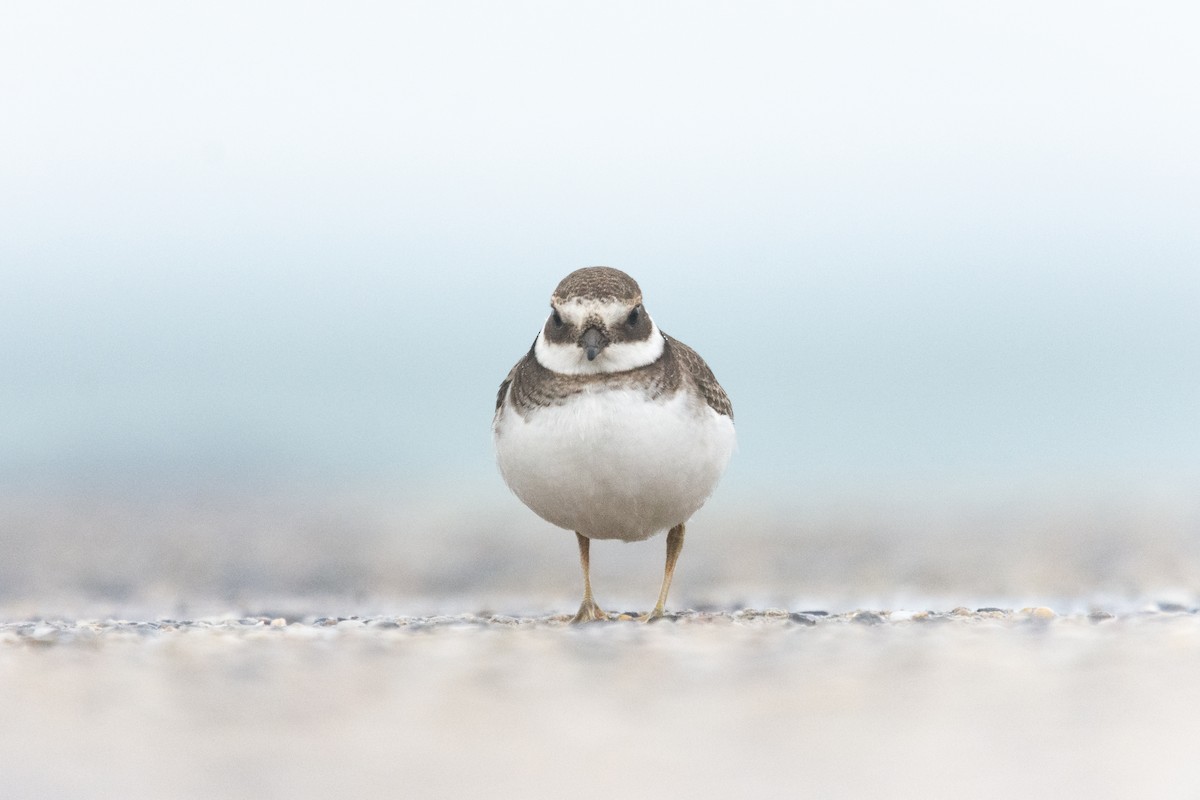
(598, 283)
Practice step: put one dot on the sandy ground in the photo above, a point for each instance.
(1021, 703)
(293, 651)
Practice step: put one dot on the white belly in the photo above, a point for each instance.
(611, 464)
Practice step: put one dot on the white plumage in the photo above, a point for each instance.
(614, 463)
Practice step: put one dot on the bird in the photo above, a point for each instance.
(609, 427)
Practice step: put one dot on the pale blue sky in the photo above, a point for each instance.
(923, 245)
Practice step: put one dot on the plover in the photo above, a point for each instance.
(609, 427)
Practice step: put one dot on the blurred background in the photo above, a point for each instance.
(263, 267)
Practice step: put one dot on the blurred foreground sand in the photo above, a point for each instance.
(885, 703)
(967, 705)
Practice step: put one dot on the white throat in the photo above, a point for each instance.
(570, 358)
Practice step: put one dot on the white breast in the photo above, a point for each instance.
(612, 464)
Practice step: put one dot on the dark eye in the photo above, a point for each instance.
(634, 316)
(558, 323)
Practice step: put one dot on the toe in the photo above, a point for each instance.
(590, 612)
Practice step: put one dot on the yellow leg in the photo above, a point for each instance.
(588, 610)
(674, 547)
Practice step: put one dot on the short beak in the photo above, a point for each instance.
(593, 341)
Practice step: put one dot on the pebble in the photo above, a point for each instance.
(43, 633)
(992, 613)
(1038, 612)
(1173, 608)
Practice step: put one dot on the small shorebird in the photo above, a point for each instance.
(610, 428)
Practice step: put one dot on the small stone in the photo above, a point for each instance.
(962, 611)
(1099, 616)
(1038, 612)
(867, 618)
(1173, 608)
(279, 622)
(801, 618)
(990, 610)
(816, 613)
(43, 633)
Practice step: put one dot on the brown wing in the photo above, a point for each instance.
(702, 376)
(503, 391)
(514, 376)
(529, 385)
(508, 380)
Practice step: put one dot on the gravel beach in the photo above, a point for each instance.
(760, 703)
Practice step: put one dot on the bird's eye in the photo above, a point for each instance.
(634, 316)
(558, 322)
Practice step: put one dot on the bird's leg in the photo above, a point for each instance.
(588, 610)
(674, 547)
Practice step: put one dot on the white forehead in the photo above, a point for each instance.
(578, 309)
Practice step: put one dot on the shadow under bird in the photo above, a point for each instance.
(609, 427)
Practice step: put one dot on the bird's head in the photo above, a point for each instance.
(597, 323)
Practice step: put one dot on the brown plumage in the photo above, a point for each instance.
(598, 283)
(533, 386)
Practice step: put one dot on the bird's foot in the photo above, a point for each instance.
(652, 616)
(590, 612)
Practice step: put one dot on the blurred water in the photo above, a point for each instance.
(931, 253)
(847, 373)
